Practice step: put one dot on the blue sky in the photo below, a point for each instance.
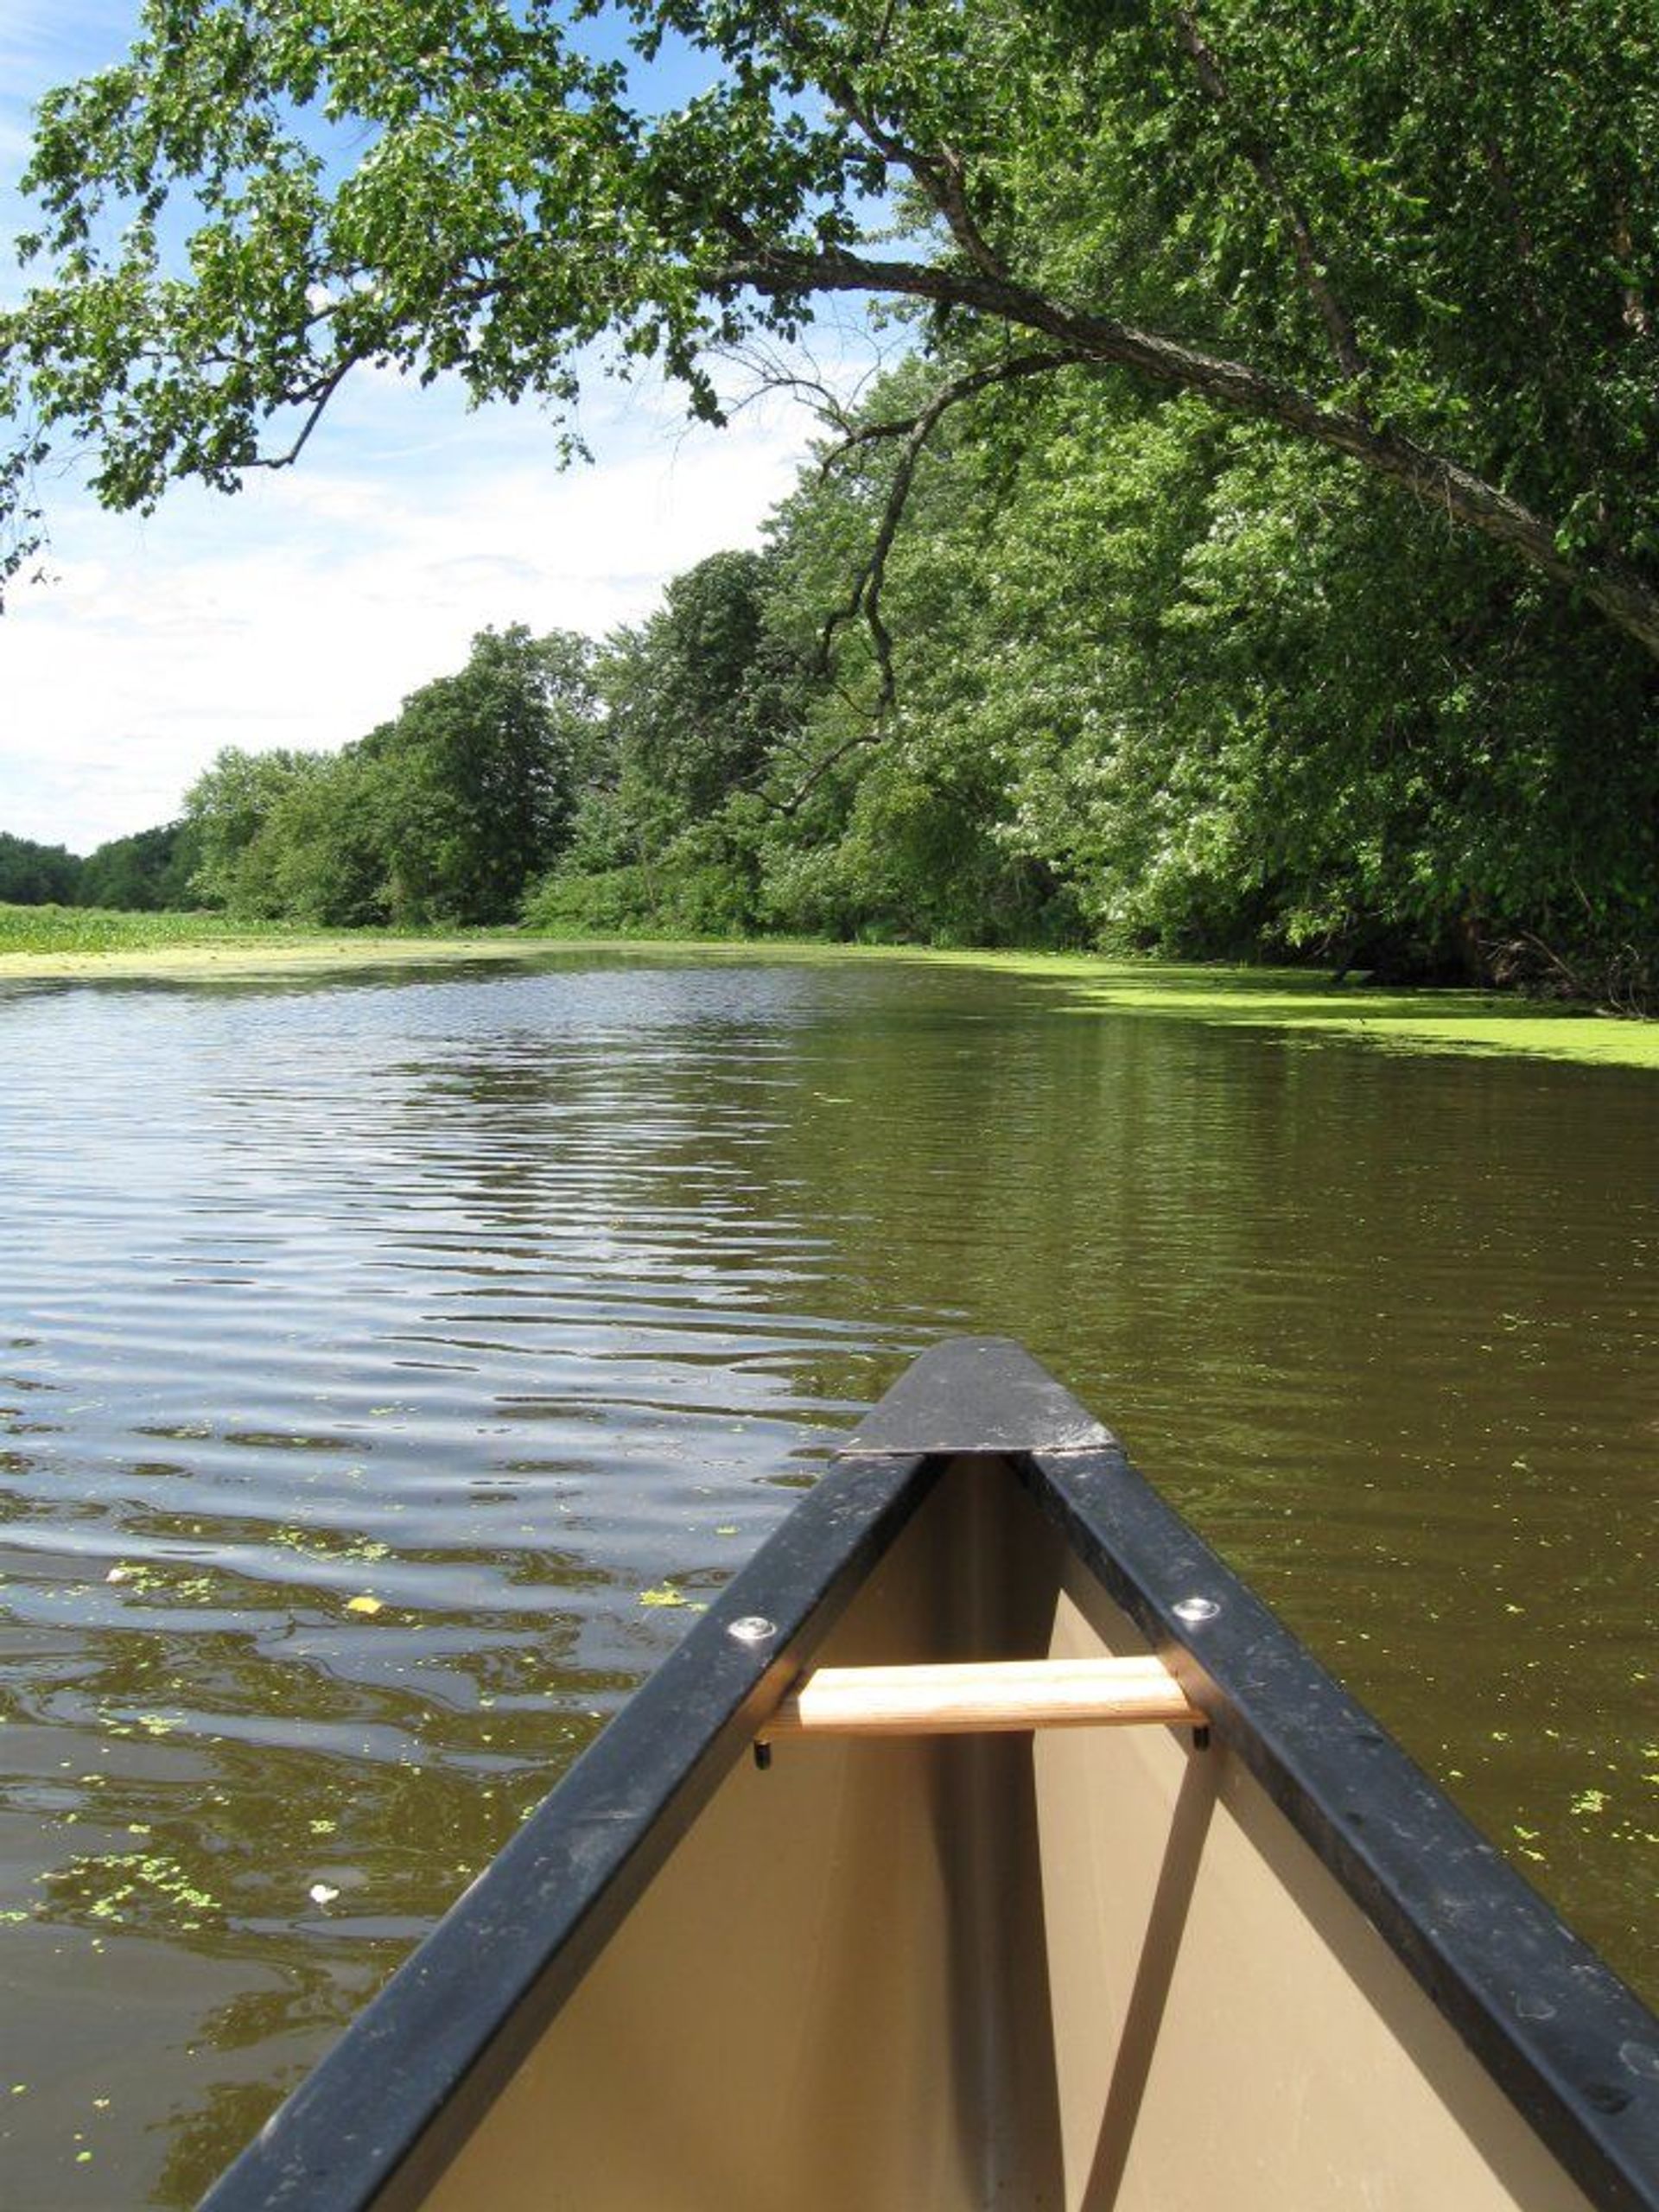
(302, 611)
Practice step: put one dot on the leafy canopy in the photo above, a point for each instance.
(1420, 235)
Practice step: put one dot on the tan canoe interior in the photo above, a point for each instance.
(1093, 1970)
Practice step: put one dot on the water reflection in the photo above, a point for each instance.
(367, 1352)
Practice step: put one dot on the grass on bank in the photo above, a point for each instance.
(48, 930)
(92, 940)
(44, 943)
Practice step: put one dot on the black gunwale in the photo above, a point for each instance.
(387, 2107)
(1571, 2046)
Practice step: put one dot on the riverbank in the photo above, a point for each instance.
(93, 941)
(47, 944)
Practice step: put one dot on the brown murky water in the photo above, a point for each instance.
(380, 1361)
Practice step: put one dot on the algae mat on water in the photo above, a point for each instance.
(1299, 1001)
(1310, 1002)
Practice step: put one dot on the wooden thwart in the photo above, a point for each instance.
(997, 1694)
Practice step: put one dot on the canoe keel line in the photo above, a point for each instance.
(1073, 1882)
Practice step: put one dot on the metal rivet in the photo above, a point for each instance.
(753, 1628)
(1192, 1611)
(1605, 2097)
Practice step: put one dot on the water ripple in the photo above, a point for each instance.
(367, 1351)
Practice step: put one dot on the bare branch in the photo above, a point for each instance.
(771, 371)
(871, 734)
(865, 597)
(319, 392)
(914, 431)
(1020, 365)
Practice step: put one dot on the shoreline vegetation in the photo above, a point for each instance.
(1237, 550)
(56, 945)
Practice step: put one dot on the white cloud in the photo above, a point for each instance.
(302, 612)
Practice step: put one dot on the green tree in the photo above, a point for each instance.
(226, 810)
(702, 693)
(319, 856)
(441, 815)
(892, 816)
(151, 870)
(472, 788)
(1169, 683)
(698, 700)
(37, 875)
(1422, 240)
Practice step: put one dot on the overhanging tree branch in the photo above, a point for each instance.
(793, 802)
(524, 176)
(1441, 484)
(913, 432)
(1007, 371)
(316, 398)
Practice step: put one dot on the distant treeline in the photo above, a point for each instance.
(148, 873)
(1128, 677)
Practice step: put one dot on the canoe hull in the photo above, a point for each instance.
(1133, 1969)
(1079, 1969)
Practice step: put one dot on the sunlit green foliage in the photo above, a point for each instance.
(700, 702)
(440, 816)
(469, 791)
(72, 931)
(1140, 639)
(1224, 693)
(1161, 682)
(1421, 238)
(703, 693)
(228, 808)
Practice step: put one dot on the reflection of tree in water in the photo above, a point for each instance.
(235, 1848)
(387, 1835)
(202, 2142)
(283, 2030)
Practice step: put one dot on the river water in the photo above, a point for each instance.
(389, 1364)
